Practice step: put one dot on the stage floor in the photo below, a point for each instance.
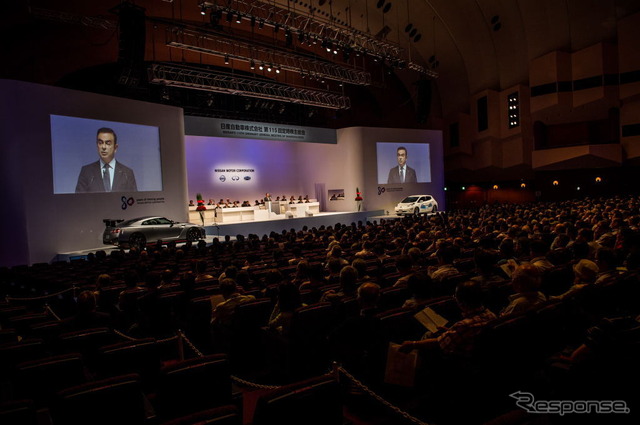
(258, 227)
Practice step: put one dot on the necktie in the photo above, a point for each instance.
(402, 175)
(106, 179)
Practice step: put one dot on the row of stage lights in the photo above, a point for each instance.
(310, 39)
(523, 185)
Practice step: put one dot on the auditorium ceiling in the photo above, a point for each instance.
(414, 61)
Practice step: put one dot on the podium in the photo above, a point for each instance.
(273, 207)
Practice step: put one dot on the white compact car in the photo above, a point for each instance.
(417, 204)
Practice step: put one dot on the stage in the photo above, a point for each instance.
(258, 227)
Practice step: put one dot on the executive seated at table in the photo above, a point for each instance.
(292, 200)
(106, 174)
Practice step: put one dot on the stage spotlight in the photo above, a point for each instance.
(261, 24)
(300, 37)
(556, 182)
(226, 59)
(261, 67)
(269, 68)
(523, 185)
(495, 187)
(278, 70)
(203, 10)
(252, 64)
(276, 28)
(238, 19)
(598, 179)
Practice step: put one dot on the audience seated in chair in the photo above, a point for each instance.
(525, 281)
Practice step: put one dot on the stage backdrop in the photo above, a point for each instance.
(222, 162)
(42, 156)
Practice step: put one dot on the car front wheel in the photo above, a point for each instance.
(416, 211)
(434, 209)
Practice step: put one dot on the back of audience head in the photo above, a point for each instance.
(368, 295)
(585, 271)
(469, 295)
(348, 279)
(361, 266)
(228, 287)
(86, 302)
(484, 260)
(526, 278)
(403, 263)
(152, 279)
(606, 259)
(447, 253)
(420, 286)
(288, 297)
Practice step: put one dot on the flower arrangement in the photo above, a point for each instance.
(358, 198)
(201, 207)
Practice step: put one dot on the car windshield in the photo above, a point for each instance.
(409, 200)
(162, 220)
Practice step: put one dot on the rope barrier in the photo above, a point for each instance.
(43, 297)
(253, 384)
(336, 371)
(381, 400)
(184, 338)
(48, 308)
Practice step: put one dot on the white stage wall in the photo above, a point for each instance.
(38, 224)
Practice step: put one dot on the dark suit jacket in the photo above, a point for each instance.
(394, 175)
(90, 179)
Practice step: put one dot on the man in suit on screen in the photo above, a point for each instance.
(106, 174)
(402, 173)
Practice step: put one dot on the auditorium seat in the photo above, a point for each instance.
(399, 325)
(392, 297)
(139, 356)
(557, 280)
(193, 385)
(18, 412)
(22, 323)
(315, 401)
(198, 322)
(40, 379)
(310, 327)
(224, 415)
(118, 400)
(86, 342)
(8, 336)
(17, 352)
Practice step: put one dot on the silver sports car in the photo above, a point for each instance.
(142, 230)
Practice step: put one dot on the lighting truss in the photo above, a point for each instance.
(314, 26)
(219, 82)
(421, 69)
(69, 18)
(222, 45)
